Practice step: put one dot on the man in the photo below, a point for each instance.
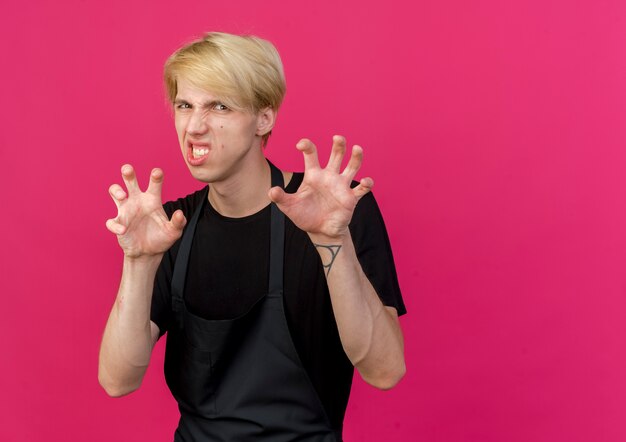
(269, 294)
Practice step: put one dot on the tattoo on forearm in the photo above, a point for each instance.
(334, 251)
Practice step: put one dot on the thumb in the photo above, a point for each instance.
(178, 220)
(277, 195)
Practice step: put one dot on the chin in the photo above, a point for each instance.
(205, 175)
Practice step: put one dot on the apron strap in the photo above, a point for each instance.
(277, 239)
(180, 267)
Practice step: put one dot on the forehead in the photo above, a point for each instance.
(186, 90)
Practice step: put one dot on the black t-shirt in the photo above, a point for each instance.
(228, 272)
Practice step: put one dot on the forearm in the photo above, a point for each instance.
(369, 331)
(128, 339)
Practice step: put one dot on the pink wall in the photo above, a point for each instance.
(496, 134)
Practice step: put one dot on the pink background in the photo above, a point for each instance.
(495, 131)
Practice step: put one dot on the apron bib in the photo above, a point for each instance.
(241, 379)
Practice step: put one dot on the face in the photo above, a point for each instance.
(216, 142)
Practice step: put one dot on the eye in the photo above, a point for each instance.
(183, 106)
(220, 107)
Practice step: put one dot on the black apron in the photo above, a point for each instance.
(241, 379)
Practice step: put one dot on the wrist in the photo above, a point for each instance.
(150, 261)
(322, 239)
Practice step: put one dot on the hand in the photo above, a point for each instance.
(141, 225)
(324, 203)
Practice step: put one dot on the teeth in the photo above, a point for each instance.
(199, 152)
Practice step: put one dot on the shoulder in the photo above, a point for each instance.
(187, 203)
(367, 210)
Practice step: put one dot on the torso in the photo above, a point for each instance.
(238, 260)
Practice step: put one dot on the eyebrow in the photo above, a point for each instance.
(206, 104)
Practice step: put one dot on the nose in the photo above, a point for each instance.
(197, 123)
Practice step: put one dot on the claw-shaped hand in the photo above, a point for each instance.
(141, 225)
(324, 203)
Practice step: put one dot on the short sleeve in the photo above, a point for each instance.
(373, 250)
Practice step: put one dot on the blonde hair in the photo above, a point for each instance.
(245, 72)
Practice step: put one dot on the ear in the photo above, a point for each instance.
(265, 121)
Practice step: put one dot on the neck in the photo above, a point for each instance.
(244, 193)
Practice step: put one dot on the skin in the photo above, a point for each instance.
(240, 177)
(323, 207)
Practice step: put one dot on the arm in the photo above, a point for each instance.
(323, 207)
(144, 234)
(129, 335)
(369, 331)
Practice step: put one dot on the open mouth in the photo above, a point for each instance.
(197, 153)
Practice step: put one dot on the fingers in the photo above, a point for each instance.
(118, 194)
(128, 174)
(364, 187)
(310, 154)
(156, 182)
(178, 220)
(356, 158)
(337, 153)
(130, 179)
(115, 227)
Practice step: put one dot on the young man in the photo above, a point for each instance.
(269, 293)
